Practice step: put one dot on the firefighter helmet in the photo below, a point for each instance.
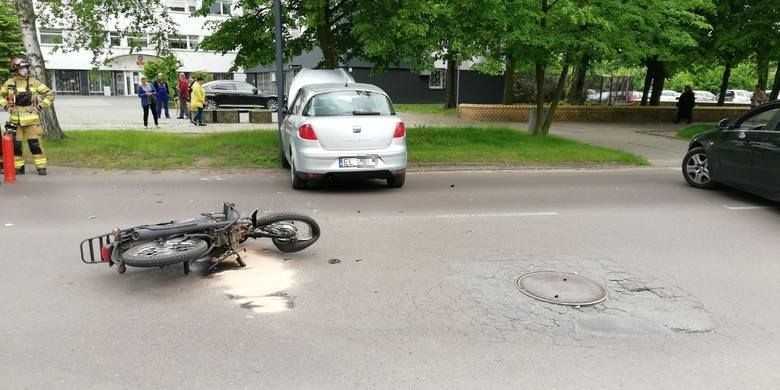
(18, 63)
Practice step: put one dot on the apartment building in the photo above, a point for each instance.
(74, 73)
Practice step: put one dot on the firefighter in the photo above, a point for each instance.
(24, 97)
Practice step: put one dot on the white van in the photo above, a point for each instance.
(308, 76)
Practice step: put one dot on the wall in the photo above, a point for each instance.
(616, 114)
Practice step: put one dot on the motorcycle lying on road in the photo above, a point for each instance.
(211, 237)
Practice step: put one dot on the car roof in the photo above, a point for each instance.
(330, 87)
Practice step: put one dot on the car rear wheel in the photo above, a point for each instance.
(271, 104)
(396, 181)
(696, 168)
(297, 182)
(211, 104)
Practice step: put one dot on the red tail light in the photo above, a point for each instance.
(400, 130)
(105, 252)
(307, 132)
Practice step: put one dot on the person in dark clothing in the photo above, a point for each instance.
(685, 105)
(161, 86)
(148, 96)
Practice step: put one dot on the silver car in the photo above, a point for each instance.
(343, 129)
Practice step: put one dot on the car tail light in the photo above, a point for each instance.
(307, 132)
(105, 252)
(400, 130)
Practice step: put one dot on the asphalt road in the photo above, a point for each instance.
(423, 295)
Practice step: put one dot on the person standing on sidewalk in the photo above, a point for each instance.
(161, 86)
(758, 98)
(148, 94)
(685, 105)
(184, 96)
(198, 99)
(24, 97)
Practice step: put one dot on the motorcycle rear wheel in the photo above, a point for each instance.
(303, 231)
(165, 252)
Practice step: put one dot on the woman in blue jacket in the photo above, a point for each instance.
(148, 96)
(162, 96)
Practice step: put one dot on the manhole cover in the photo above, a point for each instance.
(561, 288)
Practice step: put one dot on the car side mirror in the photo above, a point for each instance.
(254, 91)
(724, 123)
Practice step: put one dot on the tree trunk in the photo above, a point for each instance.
(650, 65)
(776, 86)
(724, 84)
(556, 98)
(762, 67)
(26, 12)
(537, 130)
(659, 76)
(577, 91)
(451, 85)
(509, 81)
(330, 58)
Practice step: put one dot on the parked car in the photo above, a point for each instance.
(738, 96)
(743, 153)
(342, 129)
(705, 97)
(236, 94)
(667, 95)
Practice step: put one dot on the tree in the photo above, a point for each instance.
(166, 65)
(10, 37)
(27, 16)
(86, 21)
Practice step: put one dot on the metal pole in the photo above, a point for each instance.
(457, 88)
(280, 100)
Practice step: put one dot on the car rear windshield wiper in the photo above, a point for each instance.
(366, 113)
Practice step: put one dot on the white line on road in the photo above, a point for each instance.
(484, 215)
(745, 207)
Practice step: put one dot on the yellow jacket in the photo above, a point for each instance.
(41, 95)
(198, 97)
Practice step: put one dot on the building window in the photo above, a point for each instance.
(98, 80)
(68, 82)
(139, 41)
(51, 36)
(114, 39)
(176, 5)
(177, 41)
(222, 76)
(437, 78)
(221, 7)
(193, 41)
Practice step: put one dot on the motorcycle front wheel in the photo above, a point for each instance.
(164, 252)
(289, 232)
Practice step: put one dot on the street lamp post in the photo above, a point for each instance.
(280, 100)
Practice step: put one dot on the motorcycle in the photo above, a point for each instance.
(209, 238)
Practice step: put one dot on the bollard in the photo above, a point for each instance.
(9, 172)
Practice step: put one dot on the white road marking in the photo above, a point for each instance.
(745, 207)
(483, 215)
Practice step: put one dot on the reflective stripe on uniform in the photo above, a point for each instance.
(39, 160)
(24, 118)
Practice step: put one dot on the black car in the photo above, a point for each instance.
(742, 153)
(236, 94)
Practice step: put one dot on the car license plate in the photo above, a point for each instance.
(358, 162)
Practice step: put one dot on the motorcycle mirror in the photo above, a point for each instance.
(254, 218)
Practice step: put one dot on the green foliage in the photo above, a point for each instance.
(10, 37)
(708, 78)
(166, 66)
(200, 73)
(88, 21)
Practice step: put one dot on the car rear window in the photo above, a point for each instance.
(349, 103)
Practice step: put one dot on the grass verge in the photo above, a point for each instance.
(259, 149)
(690, 131)
(426, 109)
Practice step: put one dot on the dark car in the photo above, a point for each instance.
(236, 94)
(742, 153)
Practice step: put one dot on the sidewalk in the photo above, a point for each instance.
(653, 141)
